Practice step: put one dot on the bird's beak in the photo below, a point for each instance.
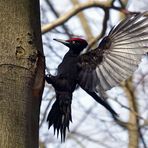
(62, 41)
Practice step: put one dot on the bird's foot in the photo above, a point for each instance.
(49, 78)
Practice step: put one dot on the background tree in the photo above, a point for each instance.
(92, 126)
(21, 73)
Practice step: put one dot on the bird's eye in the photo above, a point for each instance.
(73, 42)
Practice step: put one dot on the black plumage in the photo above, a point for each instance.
(114, 60)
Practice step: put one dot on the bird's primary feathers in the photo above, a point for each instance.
(114, 60)
(117, 56)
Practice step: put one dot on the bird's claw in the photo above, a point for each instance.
(48, 78)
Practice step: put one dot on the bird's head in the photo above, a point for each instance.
(75, 44)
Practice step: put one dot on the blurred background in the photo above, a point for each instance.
(92, 125)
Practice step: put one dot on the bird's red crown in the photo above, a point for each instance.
(76, 39)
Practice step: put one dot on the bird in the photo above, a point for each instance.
(98, 70)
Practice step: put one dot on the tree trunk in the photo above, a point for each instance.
(21, 73)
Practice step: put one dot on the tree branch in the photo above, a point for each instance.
(74, 11)
(84, 22)
(65, 28)
(104, 24)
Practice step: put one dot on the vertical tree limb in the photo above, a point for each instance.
(133, 132)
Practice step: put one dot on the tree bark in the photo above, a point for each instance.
(21, 73)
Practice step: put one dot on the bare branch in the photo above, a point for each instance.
(105, 20)
(142, 138)
(84, 22)
(67, 31)
(74, 11)
(133, 127)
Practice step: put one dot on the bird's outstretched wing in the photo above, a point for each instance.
(117, 55)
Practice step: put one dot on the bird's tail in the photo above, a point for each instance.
(104, 103)
(60, 115)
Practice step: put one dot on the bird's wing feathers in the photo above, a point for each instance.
(117, 56)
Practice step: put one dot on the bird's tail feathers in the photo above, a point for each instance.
(60, 117)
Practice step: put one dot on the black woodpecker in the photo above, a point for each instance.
(98, 70)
